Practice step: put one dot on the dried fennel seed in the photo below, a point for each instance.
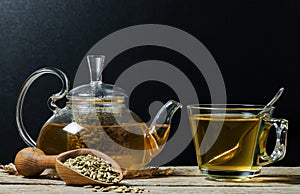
(9, 168)
(93, 167)
(116, 189)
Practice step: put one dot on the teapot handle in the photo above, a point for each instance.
(52, 99)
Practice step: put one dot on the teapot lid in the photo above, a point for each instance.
(96, 90)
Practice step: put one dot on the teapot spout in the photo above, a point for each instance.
(165, 114)
(160, 126)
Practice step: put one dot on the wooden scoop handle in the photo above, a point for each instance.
(33, 161)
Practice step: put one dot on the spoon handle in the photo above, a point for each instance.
(276, 97)
(33, 161)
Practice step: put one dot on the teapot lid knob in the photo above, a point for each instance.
(96, 64)
(96, 90)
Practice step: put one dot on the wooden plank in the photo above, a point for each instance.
(194, 171)
(60, 189)
(12, 179)
(185, 179)
(264, 181)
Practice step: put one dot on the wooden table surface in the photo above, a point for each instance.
(183, 180)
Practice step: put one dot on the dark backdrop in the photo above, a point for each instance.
(255, 43)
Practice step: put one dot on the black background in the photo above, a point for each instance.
(255, 43)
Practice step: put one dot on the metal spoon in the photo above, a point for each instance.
(229, 154)
(274, 99)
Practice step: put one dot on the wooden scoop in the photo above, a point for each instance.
(33, 161)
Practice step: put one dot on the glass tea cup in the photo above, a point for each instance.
(230, 139)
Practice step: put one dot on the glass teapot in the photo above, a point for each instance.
(95, 116)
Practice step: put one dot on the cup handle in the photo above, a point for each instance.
(281, 127)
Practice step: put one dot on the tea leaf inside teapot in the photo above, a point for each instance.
(106, 118)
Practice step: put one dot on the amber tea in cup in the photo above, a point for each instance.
(230, 140)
